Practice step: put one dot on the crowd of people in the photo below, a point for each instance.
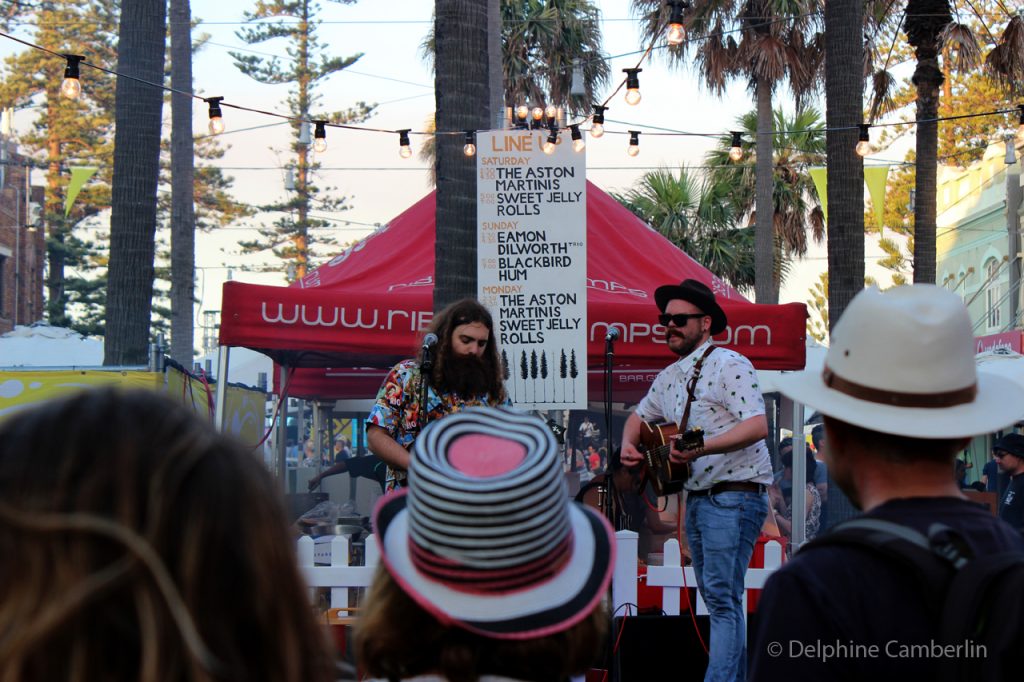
(136, 543)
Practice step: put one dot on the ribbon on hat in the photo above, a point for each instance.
(897, 398)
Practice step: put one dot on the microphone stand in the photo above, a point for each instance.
(610, 512)
(426, 367)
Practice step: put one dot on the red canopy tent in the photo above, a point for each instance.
(348, 321)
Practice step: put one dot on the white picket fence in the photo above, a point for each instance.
(672, 576)
(325, 563)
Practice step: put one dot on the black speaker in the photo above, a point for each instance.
(656, 648)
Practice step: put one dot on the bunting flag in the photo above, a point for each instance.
(875, 178)
(820, 177)
(79, 176)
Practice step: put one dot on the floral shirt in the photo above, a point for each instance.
(397, 407)
(726, 394)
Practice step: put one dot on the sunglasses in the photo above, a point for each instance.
(679, 319)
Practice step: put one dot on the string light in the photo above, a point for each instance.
(469, 149)
(549, 146)
(736, 150)
(538, 113)
(404, 146)
(634, 143)
(597, 122)
(676, 33)
(1011, 152)
(577, 138)
(632, 86)
(550, 111)
(863, 140)
(320, 137)
(216, 117)
(522, 111)
(71, 87)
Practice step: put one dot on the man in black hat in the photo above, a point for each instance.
(1009, 454)
(713, 389)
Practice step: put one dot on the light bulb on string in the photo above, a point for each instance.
(71, 87)
(537, 113)
(216, 117)
(632, 86)
(551, 112)
(676, 33)
(863, 140)
(551, 143)
(522, 113)
(469, 149)
(320, 137)
(1011, 151)
(597, 122)
(577, 138)
(404, 146)
(634, 143)
(736, 149)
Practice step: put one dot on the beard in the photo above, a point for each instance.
(684, 346)
(466, 375)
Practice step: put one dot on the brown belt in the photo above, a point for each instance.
(730, 486)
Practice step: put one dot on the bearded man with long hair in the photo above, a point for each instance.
(466, 371)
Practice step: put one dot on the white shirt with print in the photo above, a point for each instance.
(726, 394)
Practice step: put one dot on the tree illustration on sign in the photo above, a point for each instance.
(524, 372)
(573, 372)
(563, 371)
(533, 373)
(506, 372)
(544, 374)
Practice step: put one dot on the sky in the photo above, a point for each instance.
(365, 166)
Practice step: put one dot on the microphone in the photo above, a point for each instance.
(612, 335)
(429, 341)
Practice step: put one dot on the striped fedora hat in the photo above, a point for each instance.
(485, 536)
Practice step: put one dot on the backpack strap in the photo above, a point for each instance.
(903, 545)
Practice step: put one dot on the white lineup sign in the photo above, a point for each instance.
(532, 264)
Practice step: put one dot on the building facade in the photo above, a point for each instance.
(22, 243)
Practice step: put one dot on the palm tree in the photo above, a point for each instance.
(794, 209)
(931, 30)
(697, 216)
(183, 216)
(133, 191)
(462, 102)
(778, 40)
(844, 97)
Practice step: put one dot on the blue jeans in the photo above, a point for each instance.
(721, 530)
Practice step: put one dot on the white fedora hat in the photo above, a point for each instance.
(902, 362)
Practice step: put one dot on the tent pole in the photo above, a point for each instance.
(221, 394)
(282, 430)
(798, 512)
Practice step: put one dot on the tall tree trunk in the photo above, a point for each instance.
(183, 217)
(133, 190)
(463, 102)
(765, 290)
(924, 24)
(56, 299)
(844, 89)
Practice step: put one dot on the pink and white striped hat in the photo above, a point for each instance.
(485, 536)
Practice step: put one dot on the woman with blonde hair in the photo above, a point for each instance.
(136, 543)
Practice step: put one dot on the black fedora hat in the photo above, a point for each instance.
(696, 293)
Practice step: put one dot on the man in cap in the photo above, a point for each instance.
(713, 389)
(900, 397)
(1009, 454)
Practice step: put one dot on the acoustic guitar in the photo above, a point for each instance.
(656, 440)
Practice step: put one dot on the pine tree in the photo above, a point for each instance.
(68, 133)
(544, 372)
(293, 238)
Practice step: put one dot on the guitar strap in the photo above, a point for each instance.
(691, 387)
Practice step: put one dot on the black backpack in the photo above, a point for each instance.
(984, 595)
